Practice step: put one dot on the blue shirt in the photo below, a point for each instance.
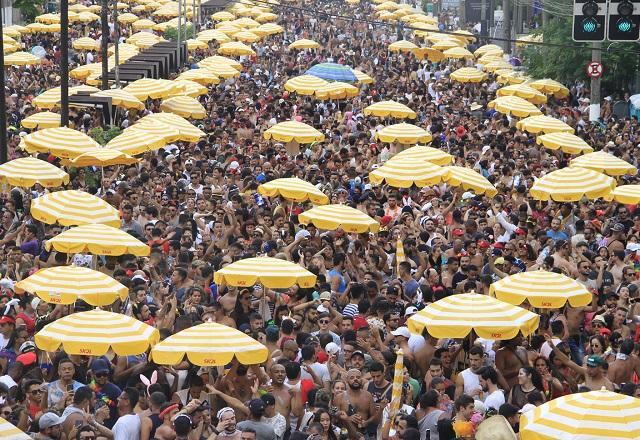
(559, 235)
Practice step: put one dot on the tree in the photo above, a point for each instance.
(171, 33)
(102, 136)
(567, 64)
(29, 8)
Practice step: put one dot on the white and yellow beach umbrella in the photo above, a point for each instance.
(138, 140)
(523, 91)
(304, 84)
(201, 76)
(184, 106)
(514, 106)
(385, 109)
(9, 431)
(405, 172)
(73, 208)
(293, 131)
(67, 284)
(331, 217)
(567, 142)
(292, 188)
(95, 332)
(468, 75)
(402, 46)
(627, 194)
(550, 87)
(273, 273)
(336, 90)
(304, 44)
(209, 345)
(62, 142)
(40, 120)
(543, 124)
(102, 157)
(469, 180)
(145, 88)
(403, 134)
(603, 162)
(85, 43)
(572, 184)
(21, 59)
(121, 98)
(99, 240)
(27, 171)
(542, 289)
(421, 153)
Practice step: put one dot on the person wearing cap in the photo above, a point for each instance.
(106, 392)
(272, 417)
(263, 430)
(617, 240)
(593, 372)
(50, 426)
(410, 344)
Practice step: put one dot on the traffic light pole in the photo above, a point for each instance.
(594, 107)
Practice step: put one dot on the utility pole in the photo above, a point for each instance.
(104, 25)
(179, 64)
(116, 49)
(506, 24)
(594, 107)
(3, 102)
(64, 63)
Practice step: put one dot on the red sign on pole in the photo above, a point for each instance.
(595, 69)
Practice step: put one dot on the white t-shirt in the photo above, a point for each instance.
(320, 370)
(127, 428)
(546, 349)
(494, 400)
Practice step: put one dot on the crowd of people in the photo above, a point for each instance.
(332, 347)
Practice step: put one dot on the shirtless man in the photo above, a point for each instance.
(425, 353)
(229, 299)
(621, 370)
(280, 391)
(356, 406)
(510, 358)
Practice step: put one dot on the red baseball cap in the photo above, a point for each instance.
(7, 319)
(458, 232)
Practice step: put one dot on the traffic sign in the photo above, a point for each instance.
(595, 69)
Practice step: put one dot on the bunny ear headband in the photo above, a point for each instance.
(147, 382)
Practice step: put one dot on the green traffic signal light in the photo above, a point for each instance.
(589, 25)
(624, 25)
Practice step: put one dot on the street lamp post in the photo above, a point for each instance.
(64, 63)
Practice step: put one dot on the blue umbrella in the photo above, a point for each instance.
(332, 72)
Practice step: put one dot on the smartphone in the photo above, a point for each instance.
(78, 423)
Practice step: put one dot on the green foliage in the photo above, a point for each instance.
(171, 33)
(566, 64)
(29, 8)
(102, 136)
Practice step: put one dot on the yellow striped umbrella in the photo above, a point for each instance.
(304, 84)
(15, 31)
(593, 415)
(228, 28)
(187, 132)
(403, 134)
(36, 27)
(490, 57)
(386, 6)
(193, 44)
(523, 91)
(235, 48)
(209, 345)
(266, 16)
(21, 59)
(571, 185)
(67, 284)
(73, 208)
(223, 16)
(97, 239)
(420, 153)
(184, 106)
(216, 60)
(400, 255)
(385, 109)
(134, 141)
(627, 194)
(362, 77)
(543, 124)
(201, 76)
(48, 18)
(146, 42)
(50, 98)
(143, 23)
(514, 106)
(270, 29)
(274, 274)
(41, 120)
(304, 44)
(429, 53)
(456, 315)
(10, 48)
(336, 90)
(402, 46)
(457, 53)
(292, 188)
(95, 332)
(246, 22)
(27, 171)
(512, 77)
(86, 70)
(331, 217)
(546, 290)
(191, 88)
(444, 45)
(141, 35)
(221, 70)
(87, 17)
(212, 34)
(468, 75)
(85, 43)
(62, 142)
(246, 37)
(121, 98)
(604, 163)
(567, 142)
(550, 87)
(102, 157)
(11, 432)
(398, 382)
(290, 131)
(469, 180)
(127, 18)
(492, 66)
(145, 88)
(405, 172)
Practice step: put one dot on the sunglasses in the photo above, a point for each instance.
(101, 374)
(324, 321)
(35, 392)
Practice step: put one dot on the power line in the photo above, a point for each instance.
(315, 12)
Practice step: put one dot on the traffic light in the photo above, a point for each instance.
(589, 20)
(624, 20)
